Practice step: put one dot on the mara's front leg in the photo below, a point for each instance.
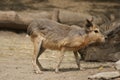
(60, 58)
(77, 58)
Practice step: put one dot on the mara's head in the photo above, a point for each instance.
(93, 32)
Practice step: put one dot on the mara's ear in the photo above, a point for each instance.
(89, 23)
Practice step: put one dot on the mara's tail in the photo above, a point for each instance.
(31, 28)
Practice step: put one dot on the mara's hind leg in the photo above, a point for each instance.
(77, 59)
(38, 50)
(60, 60)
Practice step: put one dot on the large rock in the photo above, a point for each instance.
(18, 21)
(109, 51)
(71, 18)
(76, 18)
(10, 19)
(14, 20)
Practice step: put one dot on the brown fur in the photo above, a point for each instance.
(48, 34)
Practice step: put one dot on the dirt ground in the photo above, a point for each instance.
(16, 55)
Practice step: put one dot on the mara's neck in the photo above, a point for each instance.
(87, 40)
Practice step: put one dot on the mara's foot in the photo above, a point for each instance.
(38, 72)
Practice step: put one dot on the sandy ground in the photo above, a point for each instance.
(16, 56)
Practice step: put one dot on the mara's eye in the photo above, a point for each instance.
(96, 31)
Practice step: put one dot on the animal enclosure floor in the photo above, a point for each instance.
(16, 55)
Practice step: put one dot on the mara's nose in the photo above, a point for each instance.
(106, 37)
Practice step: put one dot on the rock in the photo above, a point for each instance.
(109, 51)
(17, 21)
(105, 76)
(20, 21)
(73, 18)
(8, 16)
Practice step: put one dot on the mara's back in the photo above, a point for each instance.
(55, 34)
(48, 29)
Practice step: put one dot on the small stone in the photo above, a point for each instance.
(105, 75)
(117, 65)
